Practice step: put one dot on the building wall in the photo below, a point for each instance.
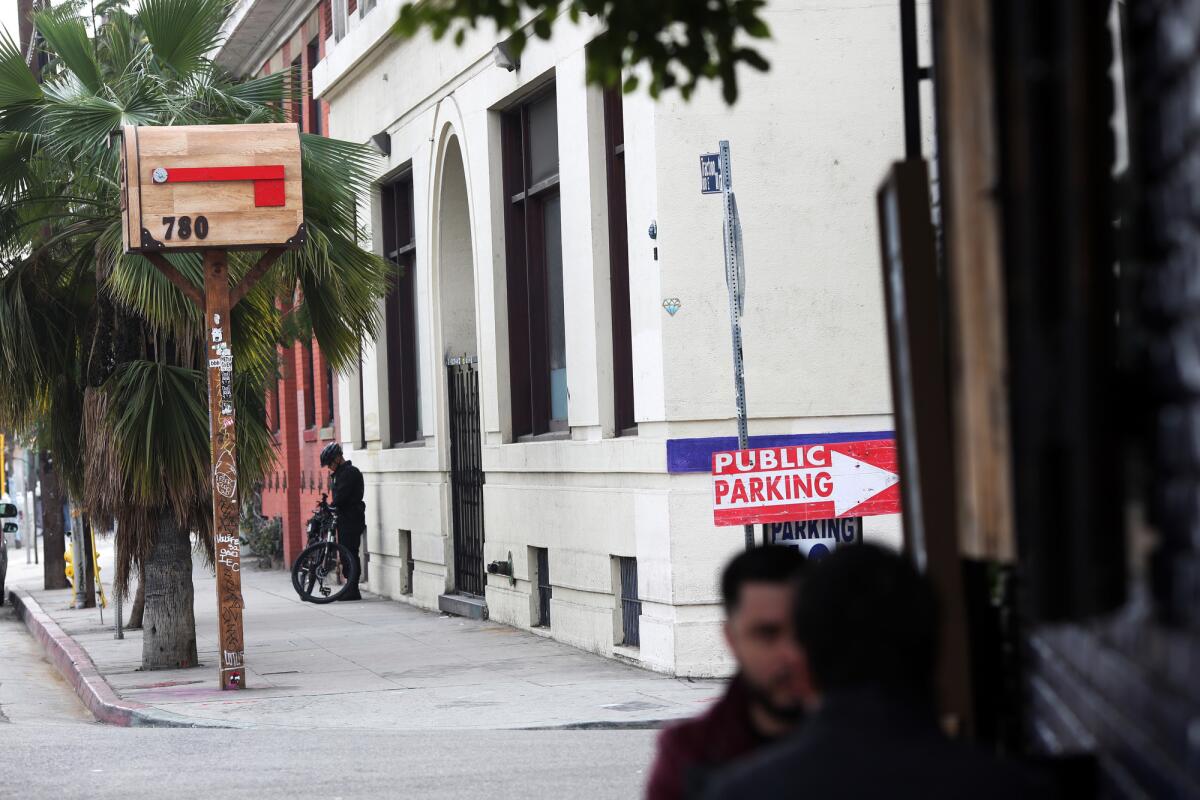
(809, 141)
(293, 488)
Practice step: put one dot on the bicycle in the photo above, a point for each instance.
(315, 573)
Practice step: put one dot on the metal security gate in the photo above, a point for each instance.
(466, 474)
(631, 605)
(545, 589)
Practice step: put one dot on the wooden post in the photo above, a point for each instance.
(968, 176)
(223, 431)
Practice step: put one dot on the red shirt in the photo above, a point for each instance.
(690, 752)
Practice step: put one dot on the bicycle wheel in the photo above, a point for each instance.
(316, 572)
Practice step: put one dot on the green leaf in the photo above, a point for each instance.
(67, 39)
(182, 32)
(17, 84)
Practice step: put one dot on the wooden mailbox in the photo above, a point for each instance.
(211, 187)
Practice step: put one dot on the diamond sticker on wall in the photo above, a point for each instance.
(672, 305)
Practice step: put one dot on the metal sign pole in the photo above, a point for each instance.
(119, 631)
(735, 280)
(226, 543)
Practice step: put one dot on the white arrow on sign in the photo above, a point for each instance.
(855, 482)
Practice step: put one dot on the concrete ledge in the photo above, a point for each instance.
(462, 605)
(78, 669)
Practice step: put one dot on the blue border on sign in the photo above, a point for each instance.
(695, 455)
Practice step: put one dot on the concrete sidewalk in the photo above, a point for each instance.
(376, 664)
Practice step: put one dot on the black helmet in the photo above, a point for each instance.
(331, 453)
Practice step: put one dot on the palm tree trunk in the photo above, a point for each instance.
(169, 637)
(54, 540)
(87, 570)
(139, 603)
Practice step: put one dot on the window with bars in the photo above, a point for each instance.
(631, 604)
(534, 267)
(618, 250)
(544, 590)
(399, 246)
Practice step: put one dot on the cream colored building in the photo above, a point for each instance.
(498, 196)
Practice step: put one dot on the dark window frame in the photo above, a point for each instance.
(400, 310)
(625, 422)
(310, 387)
(330, 393)
(314, 105)
(296, 77)
(526, 272)
(276, 410)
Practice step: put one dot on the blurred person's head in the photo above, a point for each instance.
(758, 587)
(864, 617)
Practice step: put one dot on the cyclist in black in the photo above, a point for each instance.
(348, 502)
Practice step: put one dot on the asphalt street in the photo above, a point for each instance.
(51, 748)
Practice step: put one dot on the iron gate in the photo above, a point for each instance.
(466, 474)
(544, 589)
(631, 604)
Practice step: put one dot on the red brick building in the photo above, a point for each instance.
(303, 408)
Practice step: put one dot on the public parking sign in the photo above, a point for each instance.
(710, 173)
(820, 481)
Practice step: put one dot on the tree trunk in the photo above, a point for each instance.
(139, 603)
(54, 541)
(169, 637)
(87, 570)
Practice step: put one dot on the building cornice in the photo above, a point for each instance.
(258, 28)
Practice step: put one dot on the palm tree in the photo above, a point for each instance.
(102, 355)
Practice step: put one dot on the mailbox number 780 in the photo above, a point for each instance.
(186, 226)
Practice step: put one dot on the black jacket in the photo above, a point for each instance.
(348, 497)
(865, 744)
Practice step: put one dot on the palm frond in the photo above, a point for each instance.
(159, 424)
(16, 153)
(182, 32)
(120, 45)
(140, 288)
(77, 122)
(18, 88)
(66, 36)
(265, 90)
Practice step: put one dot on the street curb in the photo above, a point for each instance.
(78, 669)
